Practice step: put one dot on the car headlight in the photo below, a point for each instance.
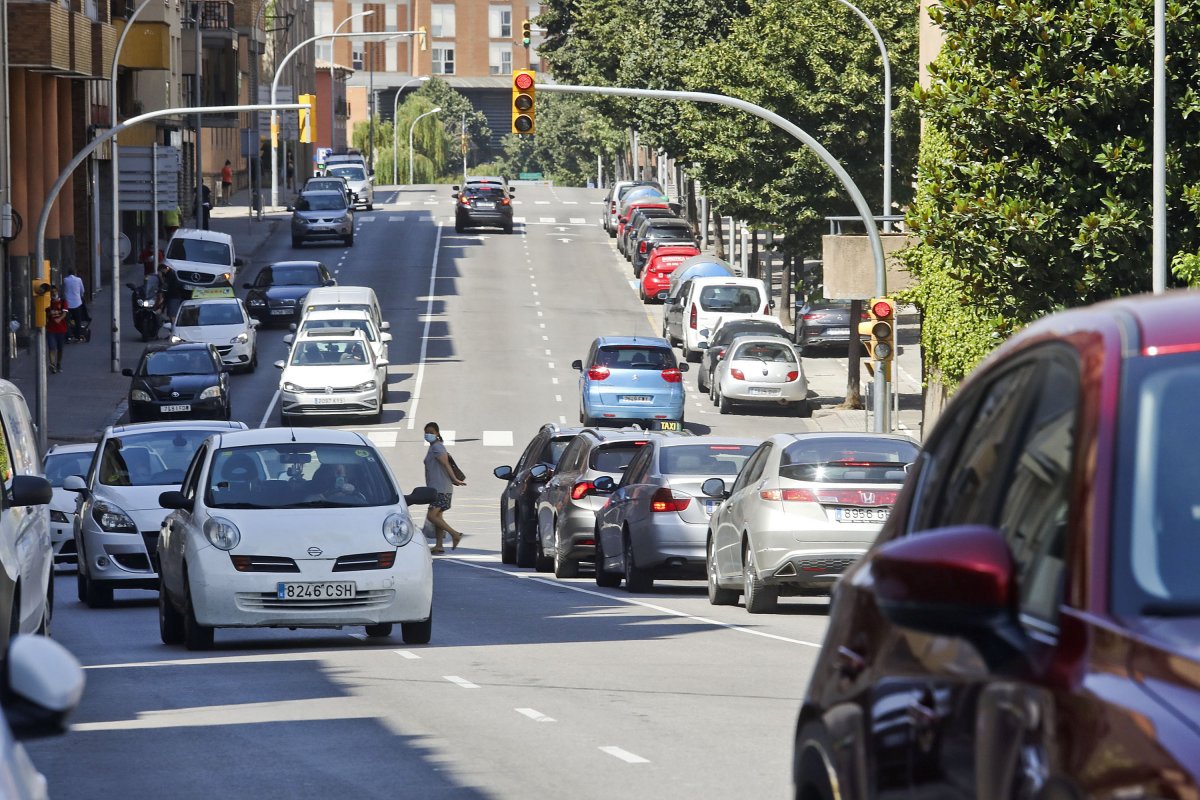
(140, 396)
(241, 338)
(176, 339)
(210, 392)
(397, 529)
(112, 519)
(365, 387)
(58, 516)
(288, 386)
(256, 301)
(222, 533)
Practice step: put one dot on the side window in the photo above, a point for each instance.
(18, 430)
(570, 459)
(637, 467)
(753, 468)
(191, 481)
(529, 457)
(6, 464)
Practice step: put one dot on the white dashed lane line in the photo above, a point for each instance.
(624, 755)
(534, 715)
(407, 654)
(463, 682)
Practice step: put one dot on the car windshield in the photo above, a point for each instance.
(178, 362)
(60, 466)
(359, 324)
(201, 251)
(321, 202)
(157, 458)
(615, 457)
(634, 357)
(704, 459)
(339, 351)
(195, 314)
(349, 172)
(765, 351)
(734, 299)
(861, 459)
(290, 275)
(298, 475)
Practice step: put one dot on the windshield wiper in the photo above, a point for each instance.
(239, 505)
(1163, 608)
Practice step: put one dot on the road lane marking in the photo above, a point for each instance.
(562, 420)
(534, 715)
(497, 439)
(449, 437)
(632, 602)
(558, 398)
(550, 364)
(578, 221)
(407, 654)
(518, 220)
(383, 438)
(463, 682)
(541, 202)
(624, 755)
(554, 381)
(416, 394)
(270, 408)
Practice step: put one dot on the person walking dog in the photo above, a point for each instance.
(441, 475)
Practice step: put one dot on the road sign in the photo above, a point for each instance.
(530, 176)
(138, 180)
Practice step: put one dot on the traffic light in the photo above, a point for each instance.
(41, 300)
(308, 118)
(526, 33)
(524, 112)
(881, 329)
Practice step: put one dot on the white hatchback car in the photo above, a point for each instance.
(285, 529)
(704, 304)
(348, 318)
(760, 370)
(61, 462)
(223, 323)
(332, 371)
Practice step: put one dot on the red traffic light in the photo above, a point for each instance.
(523, 81)
(881, 309)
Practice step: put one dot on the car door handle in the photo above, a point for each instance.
(849, 663)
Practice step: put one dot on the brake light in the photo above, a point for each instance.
(692, 318)
(737, 374)
(466, 201)
(582, 490)
(814, 316)
(793, 375)
(665, 500)
(599, 373)
(672, 375)
(788, 495)
(642, 246)
(504, 201)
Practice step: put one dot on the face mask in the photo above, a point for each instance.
(431, 437)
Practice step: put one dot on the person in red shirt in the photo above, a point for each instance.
(226, 182)
(56, 329)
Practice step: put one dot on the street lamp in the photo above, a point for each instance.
(412, 128)
(332, 91)
(395, 107)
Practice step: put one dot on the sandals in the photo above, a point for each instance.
(437, 551)
(454, 540)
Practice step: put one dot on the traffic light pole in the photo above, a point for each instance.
(881, 388)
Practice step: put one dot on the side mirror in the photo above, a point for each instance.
(577, 365)
(385, 326)
(420, 496)
(292, 327)
(770, 304)
(703, 346)
(511, 190)
(254, 323)
(289, 208)
(330, 282)
(604, 484)
(74, 483)
(385, 337)
(455, 188)
(289, 338)
(31, 490)
(130, 286)
(127, 372)
(714, 487)
(247, 285)
(684, 366)
(503, 473)
(540, 472)
(174, 500)
(44, 684)
(454, 194)
(279, 365)
(237, 262)
(383, 362)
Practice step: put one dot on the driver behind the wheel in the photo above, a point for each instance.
(332, 483)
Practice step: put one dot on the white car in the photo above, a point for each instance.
(332, 371)
(704, 304)
(61, 462)
(803, 509)
(358, 178)
(202, 259)
(292, 529)
(223, 323)
(354, 319)
(760, 370)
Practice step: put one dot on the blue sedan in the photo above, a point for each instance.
(630, 378)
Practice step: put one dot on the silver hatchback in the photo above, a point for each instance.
(322, 215)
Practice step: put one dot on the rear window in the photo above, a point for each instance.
(726, 333)
(765, 351)
(485, 191)
(669, 231)
(557, 446)
(847, 460)
(705, 459)
(615, 457)
(734, 299)
(634, 357)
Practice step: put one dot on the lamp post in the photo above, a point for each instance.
(256, 117)
(412, 128)
(1158, 166)
(395, 107)
(332, 90)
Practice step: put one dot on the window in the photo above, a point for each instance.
(711, 460)
(191, 481)
(500, 22)
(615, 457)
(297, 476)
(443, 60)
(753, 468)
(323, 23)
(572, 456)
(500, 59)
(636, 471)
(357, 58)
(441, 21)
(158, 458)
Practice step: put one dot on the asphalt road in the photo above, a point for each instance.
(532, 686)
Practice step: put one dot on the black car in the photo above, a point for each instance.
(478, 204)
(278, 291)
(636, 218)
(715, 349)
(825, 323)
(653, 232)
(518, 501)
(178, 381)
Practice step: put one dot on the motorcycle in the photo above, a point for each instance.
(146, 319)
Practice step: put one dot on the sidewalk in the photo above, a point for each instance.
(87, 395)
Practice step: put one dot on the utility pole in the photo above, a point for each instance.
(199, 130)
(464, 146)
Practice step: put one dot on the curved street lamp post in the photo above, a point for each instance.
(412, 128)
(395, 107)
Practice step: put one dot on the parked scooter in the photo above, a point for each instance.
(146, 318)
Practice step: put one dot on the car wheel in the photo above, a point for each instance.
(636, 579)
(96, 596)
(604, 579)
(701, 386)
(692, 356)
(723, 404)
(297, 241)
(370, 206)
(458, 227)
(508, 228)
(380, 630)
(195, 635)
(349, 240)
(542, 563)
(48, 608)
(417, 632)
(81, 586)
(525, 550)
(812, 766)
(508, 552)
(170, 621)
(803, 409)
(759, 598)
(563, 566)
(253, 360)
(717, 595)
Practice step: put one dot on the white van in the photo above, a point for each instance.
(346, 298)
(202, 259)
(702, 304)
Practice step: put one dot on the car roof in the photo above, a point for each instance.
(671, 441)
(158, 348)
(323, 334)
(647, 341)
(336, 313)
(262, 436)
(320, 192)
(197, 233)
(758, 338)
(341, 294)
(296, 263)
(203, 301)
(334, 178)
(667, 222)
(484, 179)
(174, 425)
(701, 266)
(788, 438)
(59, 449)
(627, 434)
(726, 280)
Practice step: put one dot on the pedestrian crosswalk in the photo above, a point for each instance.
(427, 216)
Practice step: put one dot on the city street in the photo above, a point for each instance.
(531, 686)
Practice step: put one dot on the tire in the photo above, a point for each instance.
(370, 206)
(810, 768)
(80, 586)
(458, 227)
(717, 595)
(723, 404)
(701, 386)
(297, 241)
(253, 360)
(380, 630)
(636, 579)
(563, 567)
(170, 621)
(759, 599)
(349, 240)
(195, 635)
(692, 356)
(803, 409)
(508, 228)
(605, 580)
(542, 562)
(417, 632)
(508, 552)
(96, 596)
(525, 549)
(48, 610)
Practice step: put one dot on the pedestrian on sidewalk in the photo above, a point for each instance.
(226, 182)
(76, 307)
(205, 207)
(440, 476)
(291, 172)
(171, 221)
(56, 329)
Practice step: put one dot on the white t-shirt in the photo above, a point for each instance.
(73, 291)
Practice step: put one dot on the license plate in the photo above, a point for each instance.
(281, 311)
(756, 390)
(326, 401)
(861, 514)
(485, 205)
(635, 398)
(314, 591)
(175, 409)
(837, 331)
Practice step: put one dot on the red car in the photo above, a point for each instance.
(1028, 622)
(656, 277)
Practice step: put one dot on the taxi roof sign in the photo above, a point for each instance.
(210, 293)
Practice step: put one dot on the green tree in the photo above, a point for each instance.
(437, 93)
(570, 134)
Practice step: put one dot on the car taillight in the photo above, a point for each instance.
(598, 373)
(665, 500)
(737, 374)
(793, 375)
(672, 375)
(859, 497)
(720, 353)
(466, 201)
(811, 316)
(582, 490)
(504, 201)
(788, 495)
(692, 318)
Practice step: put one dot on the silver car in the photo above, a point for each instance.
(358, 178)
(61, 462)
(117, 515)
(760, 370)
(655, 523)
(803, 509)
(322, 215)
